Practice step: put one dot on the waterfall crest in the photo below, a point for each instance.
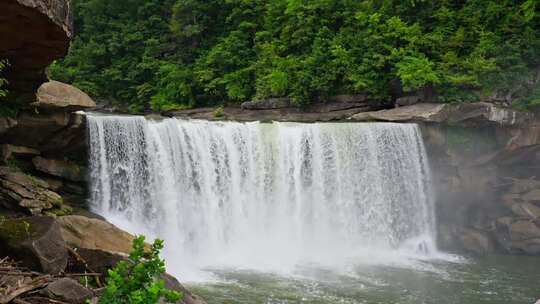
(245, 194)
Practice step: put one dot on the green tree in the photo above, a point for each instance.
(174, 54)
(137, 280)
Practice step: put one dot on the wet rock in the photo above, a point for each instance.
(68, 290)
(477, 242)
(91, 233)
(60, 168)
(21, 191)
(36, 241)
(60, 96)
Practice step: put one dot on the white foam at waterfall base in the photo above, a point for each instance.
(268, 197)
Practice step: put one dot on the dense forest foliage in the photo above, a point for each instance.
(184, 53)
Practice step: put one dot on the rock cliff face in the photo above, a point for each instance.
(33, 33)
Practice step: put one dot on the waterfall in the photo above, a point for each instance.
(263, 194)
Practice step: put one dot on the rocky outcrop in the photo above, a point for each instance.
(48, 29)
(19, 191)
(36, 241)
(466, 114)
(337, 108)
(51, 126)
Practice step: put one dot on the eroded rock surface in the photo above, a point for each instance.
(20, 191)
(48, 29)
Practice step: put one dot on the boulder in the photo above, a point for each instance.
(48, 28)
(92, 233)
(68, 290)
(477, 242)
(60, 96)
(60, 168)
(36, 241)
(20, 191)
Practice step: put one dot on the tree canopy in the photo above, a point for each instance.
(183, 53)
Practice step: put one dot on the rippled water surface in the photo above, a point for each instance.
(493, 280)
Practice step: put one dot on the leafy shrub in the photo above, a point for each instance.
(137, 280)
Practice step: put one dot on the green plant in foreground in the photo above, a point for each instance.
(137, 280)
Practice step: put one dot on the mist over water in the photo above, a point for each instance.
(266, 197)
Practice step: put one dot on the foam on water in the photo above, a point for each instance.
(268, 197)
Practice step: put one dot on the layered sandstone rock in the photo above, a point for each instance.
(48, 29)
(19, 191)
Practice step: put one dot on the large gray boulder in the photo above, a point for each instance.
(36, 241)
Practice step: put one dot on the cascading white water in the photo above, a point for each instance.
(263, 196)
